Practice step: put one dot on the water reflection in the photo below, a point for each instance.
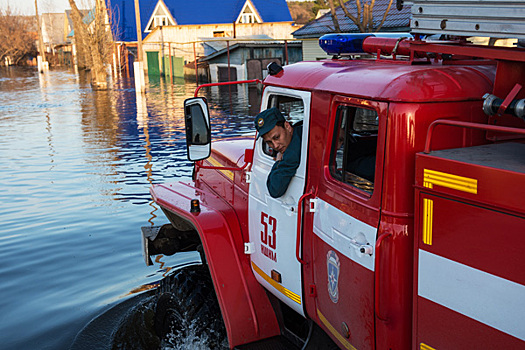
(76, 169)
(142, 119)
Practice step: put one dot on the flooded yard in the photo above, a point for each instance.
(76, 167)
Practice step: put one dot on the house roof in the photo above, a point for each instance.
(70, 20)
(123, 23)
(88, 16)
(256, 44)
(217, 44)
(227, 11)
(395, 20)
(191, 13)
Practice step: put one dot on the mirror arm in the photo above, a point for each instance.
(227, 83)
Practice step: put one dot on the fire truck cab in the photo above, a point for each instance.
(404, 225)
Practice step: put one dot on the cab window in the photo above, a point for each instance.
(293, 110)
(354, 147)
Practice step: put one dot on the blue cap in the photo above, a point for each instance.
(267, 119)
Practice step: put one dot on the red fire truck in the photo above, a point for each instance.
(404, 226)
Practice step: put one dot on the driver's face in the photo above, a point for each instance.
(279, 137)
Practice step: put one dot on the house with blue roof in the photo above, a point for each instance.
(175, 31)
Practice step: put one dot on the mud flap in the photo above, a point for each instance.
(149, 233)
(167, 240)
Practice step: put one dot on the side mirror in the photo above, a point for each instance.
(198, 132)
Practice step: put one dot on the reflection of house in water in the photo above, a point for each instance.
(175, 30)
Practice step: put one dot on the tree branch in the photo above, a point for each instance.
(357, 22)
(384, 16)
(334, 16)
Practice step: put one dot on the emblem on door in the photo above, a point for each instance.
(332, 265)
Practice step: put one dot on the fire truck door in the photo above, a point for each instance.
(273, 221)
(345, 222)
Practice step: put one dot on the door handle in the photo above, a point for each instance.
(362, 248)
(377, 279)
(299, 222)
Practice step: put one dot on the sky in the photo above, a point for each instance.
(27, 7)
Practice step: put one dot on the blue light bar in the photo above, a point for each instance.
(351, 43)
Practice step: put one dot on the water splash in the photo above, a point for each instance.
(188, 338)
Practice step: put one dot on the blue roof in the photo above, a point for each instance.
(123, 23)
(194, 12)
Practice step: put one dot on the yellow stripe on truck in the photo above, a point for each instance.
(216, 163)
(460, 183)
(332, 330)
(428, 217)
(286, 292)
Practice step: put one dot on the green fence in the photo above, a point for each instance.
(153, 63)
(155, 68)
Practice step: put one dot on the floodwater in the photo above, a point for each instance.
(75, 171)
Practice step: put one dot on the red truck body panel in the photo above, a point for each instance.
(470, 239)
(394, 304)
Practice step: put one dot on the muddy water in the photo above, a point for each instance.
(75, 169)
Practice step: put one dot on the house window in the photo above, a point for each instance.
(160, 21)
(219, 34)
(354, 147)
(161, 17)
(248, 16)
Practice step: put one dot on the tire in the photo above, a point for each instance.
(187, 310)
(135, 331)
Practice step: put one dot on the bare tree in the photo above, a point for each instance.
(334, 16)
(93, 41)
(363, 19)
(17, 36)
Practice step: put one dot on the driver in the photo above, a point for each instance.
(284, 138)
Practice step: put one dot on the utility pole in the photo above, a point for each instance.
(139, 30)
(138, 66)
(42, 64)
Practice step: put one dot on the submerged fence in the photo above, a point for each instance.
(218, 59)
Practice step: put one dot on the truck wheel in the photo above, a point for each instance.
(187, 310)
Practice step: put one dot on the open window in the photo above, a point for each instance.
(292, 109)
(354, 147)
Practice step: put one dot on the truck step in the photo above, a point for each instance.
(274, 343)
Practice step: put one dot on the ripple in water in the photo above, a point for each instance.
(76, 169)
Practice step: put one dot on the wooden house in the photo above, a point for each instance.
(174, 30)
